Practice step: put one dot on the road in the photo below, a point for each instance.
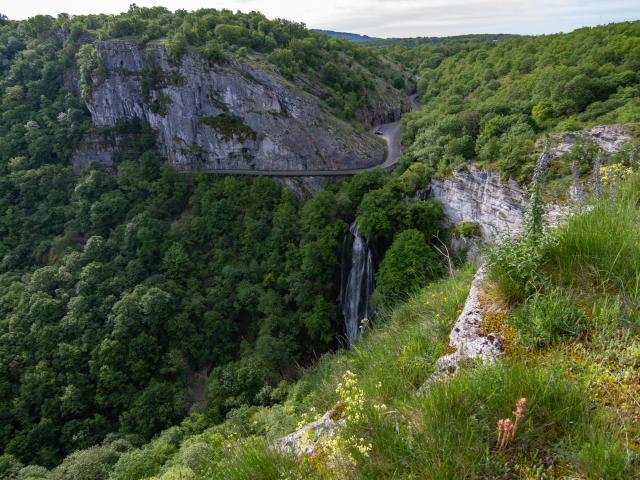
(391, 133)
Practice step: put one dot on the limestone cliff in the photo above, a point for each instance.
(480, 196)
(610, 138)
(474, 195)
(221, 116)
(497, 206)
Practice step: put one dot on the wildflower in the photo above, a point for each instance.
(507, 429)
(597, 179)
(500, 432)
(521, 407)
(610, 174)
(380, 407)
(542, 165)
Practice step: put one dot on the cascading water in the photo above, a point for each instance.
(355, 295)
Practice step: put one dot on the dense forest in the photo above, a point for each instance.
(156, 324)
(489, 102)
(119, 289)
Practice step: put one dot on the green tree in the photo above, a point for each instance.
(408, 265)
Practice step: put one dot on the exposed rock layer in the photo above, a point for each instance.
(497, 206)
(609, 138)
(465, 338)
(230, 116)
(481, 197)
(306, 439)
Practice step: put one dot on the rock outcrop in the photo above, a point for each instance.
(609, 138)
(306, 439)
(221, 116)
(480, 196)
(497, 206)
(465, 339)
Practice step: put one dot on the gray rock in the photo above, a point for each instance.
(223, 116)
(305, 440)
(609, 138)
(480, 196)
(96, 146)
(475, 195)
(465, 338)
(303, 187)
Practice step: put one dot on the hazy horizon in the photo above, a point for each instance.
(380, 18)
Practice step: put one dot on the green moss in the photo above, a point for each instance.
(468, 229)
(230, 126)
(160, 105)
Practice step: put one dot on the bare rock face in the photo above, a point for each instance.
(497, 206)
(306, 440)
(480, 196)
(609, 138)
(94, 147)
(465, 338)
(222, 116)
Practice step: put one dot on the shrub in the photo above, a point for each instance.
(253, 458)
(33, 472)
(142, 463)
(515, 266)
(408, 265)
(9, 467)
(91, 464)
(548, 318)
(89, 62)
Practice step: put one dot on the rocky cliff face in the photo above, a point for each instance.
(609, 138)
(212, 116)
(498, 207)
(481, 197)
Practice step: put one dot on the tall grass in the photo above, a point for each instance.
(398, 354)
(602, 247)
(449, 433)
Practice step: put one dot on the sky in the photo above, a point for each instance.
(382, 18)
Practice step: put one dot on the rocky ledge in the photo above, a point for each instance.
(609, 138)
(465, 338)
(498, 206)
(480, 196)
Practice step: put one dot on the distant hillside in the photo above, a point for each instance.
(352, 37)
(418, 41)
(492, 102)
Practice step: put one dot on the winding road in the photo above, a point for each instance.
(390, 132)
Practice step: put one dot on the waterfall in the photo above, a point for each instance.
(355, 295)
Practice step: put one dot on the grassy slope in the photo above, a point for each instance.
(576, 359)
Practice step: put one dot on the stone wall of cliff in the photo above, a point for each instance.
(480, 196)
(221, 116)
(497, 206)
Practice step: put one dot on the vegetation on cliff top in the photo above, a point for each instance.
(490, 102)
(347, 77)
